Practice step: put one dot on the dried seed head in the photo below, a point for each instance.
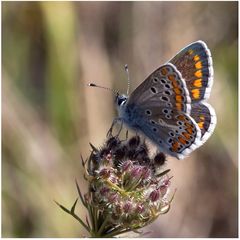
(134, 142)
(159, 159)
(120, 153)
(112, 143)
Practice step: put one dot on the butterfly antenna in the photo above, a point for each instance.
(109, 89)
(126, 69)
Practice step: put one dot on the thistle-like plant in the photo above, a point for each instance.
(127, 188)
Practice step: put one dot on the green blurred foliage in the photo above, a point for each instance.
(51, 50)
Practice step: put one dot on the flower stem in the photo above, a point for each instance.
(102, 226)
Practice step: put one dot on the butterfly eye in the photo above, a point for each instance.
(121, 100)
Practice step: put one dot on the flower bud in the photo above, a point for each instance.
(104, 191)
(105, 173)
(136, 171)
(146, 172)
(140, 208)
(127, 207)
(127, 165)
(154, 195)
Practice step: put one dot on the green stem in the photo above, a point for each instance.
(95, 217)
(102, 226)
(80, 194)
(90, 213)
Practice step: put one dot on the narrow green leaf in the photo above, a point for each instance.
(93, 148)
(62, 207)
(80, 194)
(73, 207)
(163, 173)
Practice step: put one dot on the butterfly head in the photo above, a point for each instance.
(120, 100)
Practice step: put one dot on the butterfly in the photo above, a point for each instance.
(170, 107)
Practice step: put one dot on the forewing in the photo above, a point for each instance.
(195, 64)
(165, 87)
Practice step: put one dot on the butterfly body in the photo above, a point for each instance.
(169, 106)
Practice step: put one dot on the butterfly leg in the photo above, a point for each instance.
(120, 120)
(126, 134)
(116, 120)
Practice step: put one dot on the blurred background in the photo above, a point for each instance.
(51, 50)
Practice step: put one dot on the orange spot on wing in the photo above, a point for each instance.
(164, 71)
(179, 106)
(182, 140)
(198, 65)
(188, 125)
(174, 83)
(195, 93)
(171, 77)
(175, 146)
(198, 73)
(196, 58)
(202, 118)
(200, 124)
(189, 130)
(181, 117)
(177, 90)
(197, 83)
(186, 135)
(178, 98)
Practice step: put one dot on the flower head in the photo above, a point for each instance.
(138, 193)
(127, 187)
